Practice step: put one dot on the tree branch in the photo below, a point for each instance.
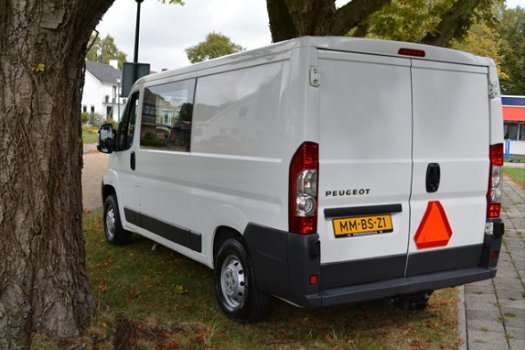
(281, 23)
(454, 23)
(353, 13)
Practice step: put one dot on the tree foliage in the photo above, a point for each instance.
(434, 22)
(294, 18)
(215, 45)
(418, 20)
(404, 20)
(504, 41)
(512, 32)
(483, 40)
(483, 27)
(102, 50)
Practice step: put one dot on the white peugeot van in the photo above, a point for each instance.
(321, 171)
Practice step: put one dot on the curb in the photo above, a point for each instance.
(462, 319)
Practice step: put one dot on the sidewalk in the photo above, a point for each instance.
(95, 164)
(90, 148)
(495, 309)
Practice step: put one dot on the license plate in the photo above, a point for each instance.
(360, 225)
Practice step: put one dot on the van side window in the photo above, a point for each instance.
(126, 127)
(167, 114)
(238, 112)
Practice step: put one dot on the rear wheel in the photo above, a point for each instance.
(237, 293)
(113, 230)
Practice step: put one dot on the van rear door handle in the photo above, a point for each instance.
(433, 177)
(132, 160)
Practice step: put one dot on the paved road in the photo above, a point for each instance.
(495, 309)
(95, 164)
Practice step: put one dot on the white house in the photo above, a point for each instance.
(101, 89)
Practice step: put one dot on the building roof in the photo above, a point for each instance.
(508, 100)
(103, 72)
(513, 108)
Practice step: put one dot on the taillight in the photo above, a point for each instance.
(302, 199)
(494, 192)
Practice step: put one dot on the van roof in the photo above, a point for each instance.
(348, 44)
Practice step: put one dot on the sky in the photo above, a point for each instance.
(167, 30)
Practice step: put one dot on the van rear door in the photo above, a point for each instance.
(365, 167)
(403, 166)
(451, 166)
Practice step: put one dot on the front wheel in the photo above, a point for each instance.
(113, 230)
(237, 293)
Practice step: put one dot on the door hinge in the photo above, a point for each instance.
(493, 90)
(315, 78)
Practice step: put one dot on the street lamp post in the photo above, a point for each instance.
(137, 29)
(132, 71)
(118, 99)
(136, 53)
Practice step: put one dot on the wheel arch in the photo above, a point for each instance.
(107, 190)
(222, 234)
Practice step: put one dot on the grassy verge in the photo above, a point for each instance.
(162, 300)
(517, 159)
(89, 134)
(517, 174)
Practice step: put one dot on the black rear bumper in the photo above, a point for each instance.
(403, 286)
(284, 263)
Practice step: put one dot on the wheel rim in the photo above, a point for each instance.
(110, 223)
(233, 282)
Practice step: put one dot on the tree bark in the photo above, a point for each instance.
(295, 18)
(43, 281)
(453, 24)
(281, 23)
(354, 13)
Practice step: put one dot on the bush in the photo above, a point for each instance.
(85, 117)
(92, 119)
(150, 139)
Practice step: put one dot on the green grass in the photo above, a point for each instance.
(517, 174)
(169, 301)
(162, 300)
(89, 134)
(517, 159)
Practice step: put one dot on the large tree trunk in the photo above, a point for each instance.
(43, 282)
(294, 18)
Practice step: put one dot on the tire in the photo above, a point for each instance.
(113, 231)
(235, 287)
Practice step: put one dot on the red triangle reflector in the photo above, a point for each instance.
(434, 230)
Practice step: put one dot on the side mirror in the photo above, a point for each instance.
(106, 139)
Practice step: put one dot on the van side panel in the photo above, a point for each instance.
(237, 139)
(496, 112)
(163, 167)
(237, 112)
